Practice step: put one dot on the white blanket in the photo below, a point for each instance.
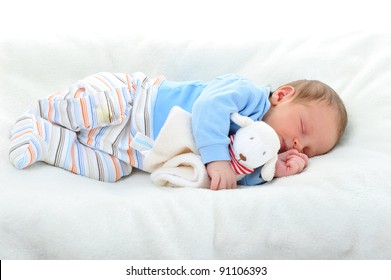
(174, 160)
(338, 208)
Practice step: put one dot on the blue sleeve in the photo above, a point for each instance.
(212, 110)
(252, 179)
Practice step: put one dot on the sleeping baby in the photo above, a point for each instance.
(88, 129)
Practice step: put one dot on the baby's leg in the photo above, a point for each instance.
(99, 100)
(35, 139)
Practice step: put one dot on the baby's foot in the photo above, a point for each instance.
(27, 142)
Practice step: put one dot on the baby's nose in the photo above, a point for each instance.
(297, 145)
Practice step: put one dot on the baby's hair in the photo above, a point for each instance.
(314, 90)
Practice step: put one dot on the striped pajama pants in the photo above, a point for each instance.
(88, 128)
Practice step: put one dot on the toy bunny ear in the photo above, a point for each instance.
(269, 168)
(240, 120)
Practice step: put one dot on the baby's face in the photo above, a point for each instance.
(310, 128)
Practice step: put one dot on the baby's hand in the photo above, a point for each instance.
(221, 174)
(290, 162)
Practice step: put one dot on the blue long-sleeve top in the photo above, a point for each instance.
(211, 104)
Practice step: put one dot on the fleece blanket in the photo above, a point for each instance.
(174, 160)
(338, 208)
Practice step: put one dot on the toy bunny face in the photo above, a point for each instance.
(256, 144)
(250, 149)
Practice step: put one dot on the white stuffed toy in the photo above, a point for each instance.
(255, 144)
(173, 159)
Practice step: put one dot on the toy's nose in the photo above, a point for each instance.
(242, 157)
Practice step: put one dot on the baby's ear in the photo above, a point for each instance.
(281, 94)
(240, 120)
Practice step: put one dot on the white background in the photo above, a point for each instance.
(210, 19)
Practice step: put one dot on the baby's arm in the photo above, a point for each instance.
(221, 174)
(211, 113)
(290, 162)
(211, 122)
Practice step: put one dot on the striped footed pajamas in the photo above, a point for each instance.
(87, 129)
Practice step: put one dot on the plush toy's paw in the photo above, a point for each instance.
(27, 144)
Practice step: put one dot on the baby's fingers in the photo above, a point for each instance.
(296, 163)
(214, 182)
(283, 156)
(304, 157)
